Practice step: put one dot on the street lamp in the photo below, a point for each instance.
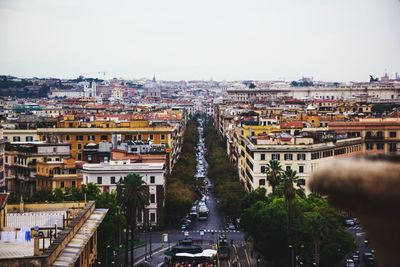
(108, 246)
(150, 240)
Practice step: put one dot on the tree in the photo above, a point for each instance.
(134, 197)
(58, 194)
(318, 231)
(253, 197)
(274, 173)
(289, 178)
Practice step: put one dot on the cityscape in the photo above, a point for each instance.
(295, 165)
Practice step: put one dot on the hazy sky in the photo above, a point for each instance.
(187, 39)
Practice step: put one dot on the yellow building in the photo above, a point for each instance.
(57, 174)
(79, 137)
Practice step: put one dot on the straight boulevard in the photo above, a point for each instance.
(203, 232)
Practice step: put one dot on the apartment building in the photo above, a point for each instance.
(303, 154)
(79, 137)
(106, 175)
(57, 174)
(21, 161)
(17, 135)
(2, 159)
(381, 136)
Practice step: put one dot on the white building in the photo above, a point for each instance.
(302, 155)
(106, 175)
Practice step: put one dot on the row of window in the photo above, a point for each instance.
(18, 138)
(62, 184)
(113, 180)
(263, 169)
(286, 156)
(381, 146)
(392, 134)
(105, 137)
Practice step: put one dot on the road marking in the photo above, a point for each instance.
(247, 257)
(237, 256)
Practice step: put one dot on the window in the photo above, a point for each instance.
(28, 138)
(263, 169)
(288, 156)
(261, 182)
(392, 147)
(112, 180)
(79, 138)
(276, 156)
(152, 179)
(392, 134)
(99, 180)
(104, 138)
(139, 217)
(380, 146)
(62, 184)
(262, 156)
(91, 137)
(152, 198)
(301, 169)
(369, 146)
(301, 156)
(163, 137)
(151, 137)
(73, 184)
(16, 138)
(152, 217)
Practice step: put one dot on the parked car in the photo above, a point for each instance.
(350, 263)
(356, 258)
(231, 226)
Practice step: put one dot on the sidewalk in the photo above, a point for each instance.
(157, 257)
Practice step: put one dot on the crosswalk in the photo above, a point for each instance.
(212, 231)
(356, 227)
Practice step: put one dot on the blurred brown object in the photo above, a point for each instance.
(369, 189)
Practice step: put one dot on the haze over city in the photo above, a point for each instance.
(183, 40)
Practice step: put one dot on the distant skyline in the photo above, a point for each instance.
(337, 40)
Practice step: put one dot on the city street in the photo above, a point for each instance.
(202, 232)
(359, 235)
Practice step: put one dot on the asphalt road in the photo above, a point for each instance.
(210, 228)
(359, 236)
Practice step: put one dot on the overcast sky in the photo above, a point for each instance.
(336, 40)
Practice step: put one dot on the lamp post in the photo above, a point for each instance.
(150, 240)
(108, 246)
(120, 255)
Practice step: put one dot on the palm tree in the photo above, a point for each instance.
(134, 197)
(274, 173)
(289, 178)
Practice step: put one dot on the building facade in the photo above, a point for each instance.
(106, 175)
